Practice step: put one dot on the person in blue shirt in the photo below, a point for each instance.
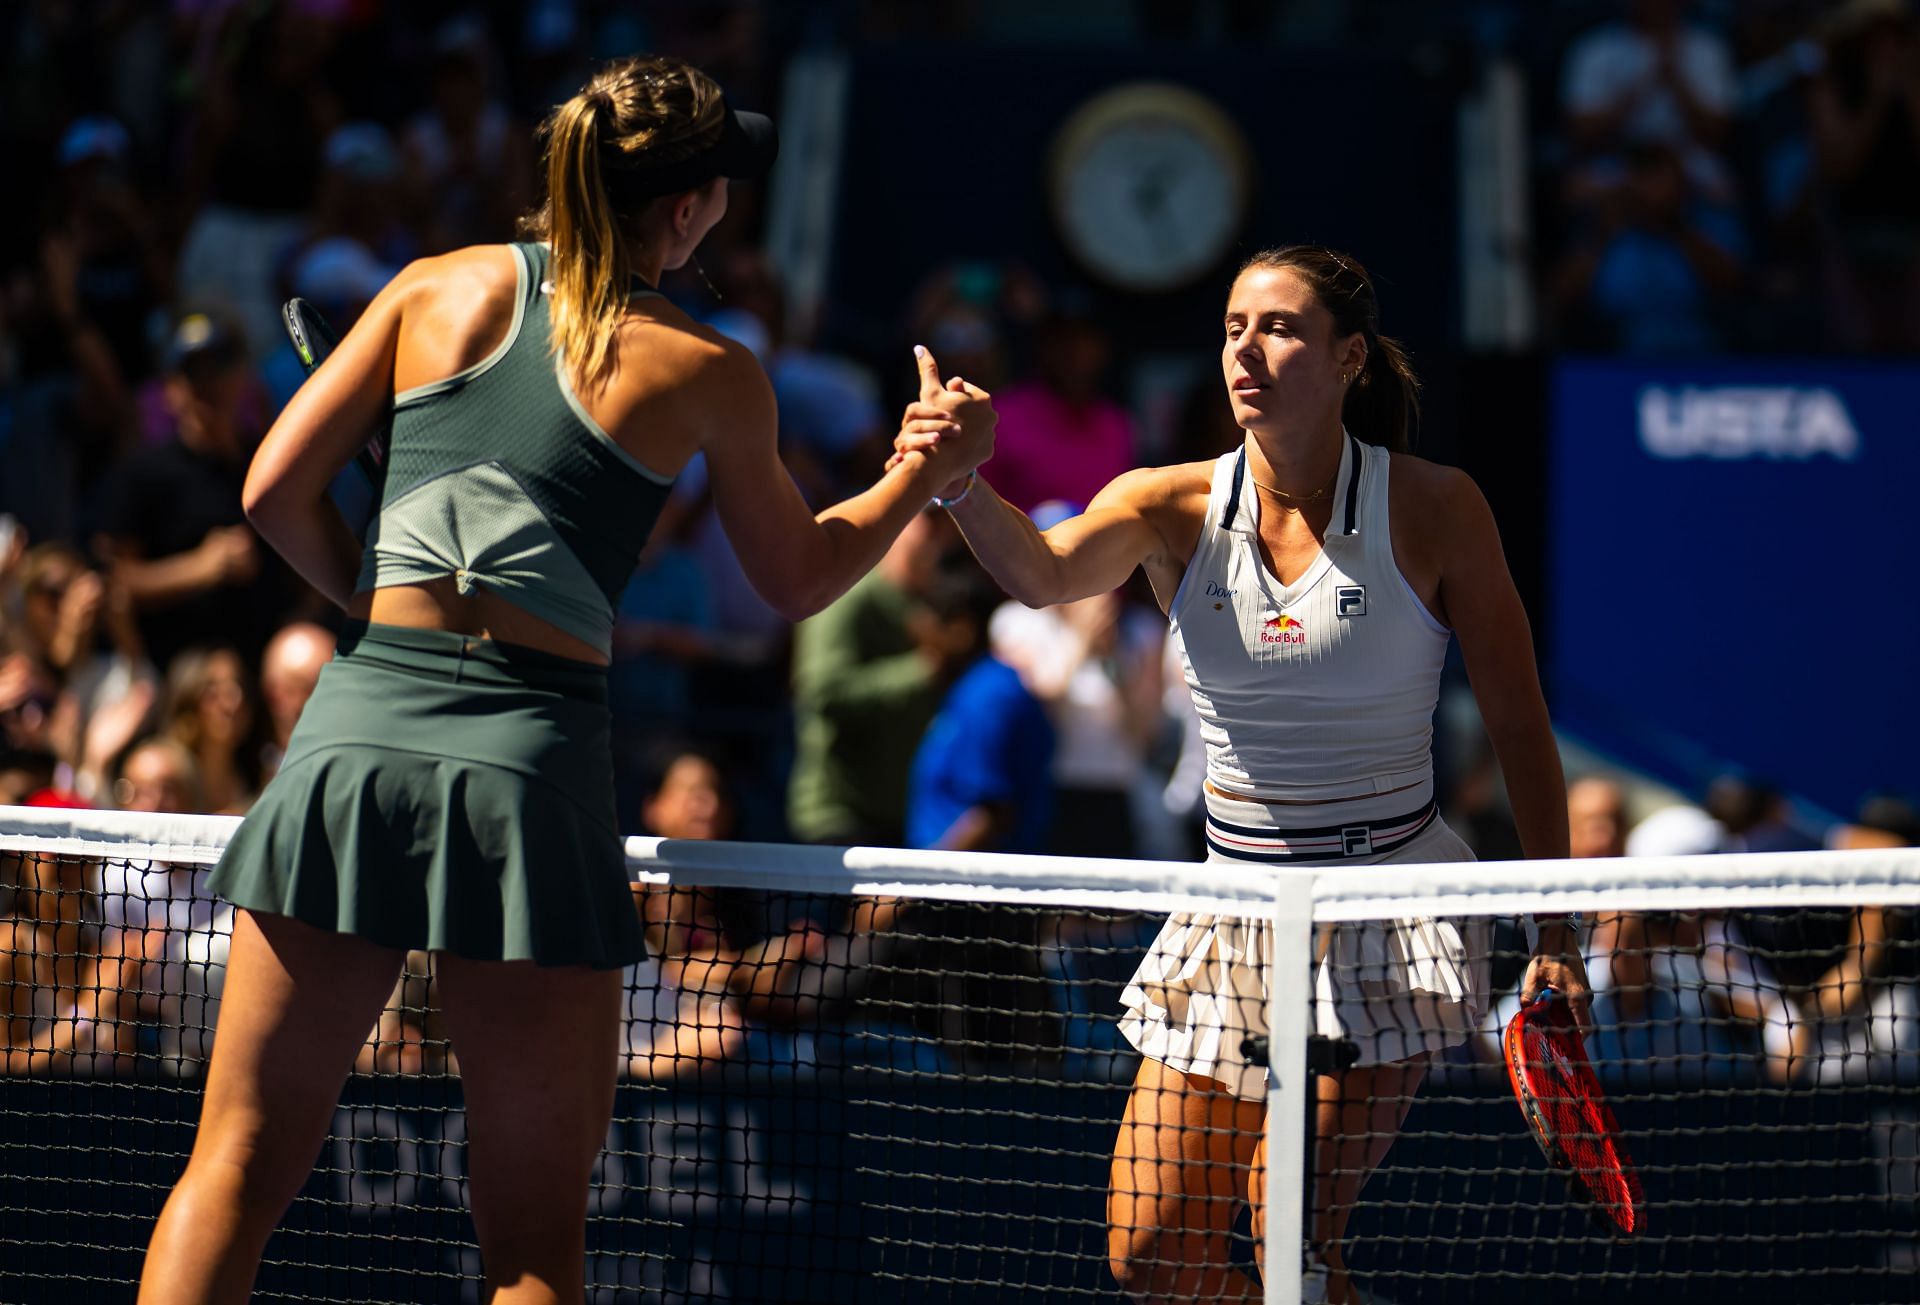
(982, 780)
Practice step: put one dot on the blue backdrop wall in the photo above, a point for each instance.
(1731, 575)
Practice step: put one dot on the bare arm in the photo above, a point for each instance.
(226, 555)
(322, 427)
(796, 559)
(1479, 599)
(1843, 990)
(1092, 553)
(981, 828)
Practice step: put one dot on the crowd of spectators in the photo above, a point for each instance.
(192, 165)
(1729, 177)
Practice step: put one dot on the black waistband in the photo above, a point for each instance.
(1356, 838)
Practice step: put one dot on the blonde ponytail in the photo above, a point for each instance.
(643, 111)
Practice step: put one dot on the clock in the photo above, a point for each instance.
(1149, 183)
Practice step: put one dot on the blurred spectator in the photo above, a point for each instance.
(58, 999)
(288, 672)
(22, 772)
(170, 523)
(681, 1016)
(28, 694)
(339, 276)
(361, 194)
(971, 314)
(80, 626)
(1596, 818)
(80, 325)
(1649, 80)
(982, 778)
(1655, 271)
(1095, 666)
(210, 711)
(1477, 807)
(158, 775)
(254, 154)
(1756, 817)
(829, 406)
(14, 542)
(1059, 436)
(1865, 108)
(105, 265)
(981, 782)
(165, 934)
(1621, 951)
(664, 627)
(863, 693)
(1833, 989)
(466, 155)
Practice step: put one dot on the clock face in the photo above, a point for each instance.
(1150, 186)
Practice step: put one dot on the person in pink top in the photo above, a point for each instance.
(1059, 436)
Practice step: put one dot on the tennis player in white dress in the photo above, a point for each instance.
(1312, 579)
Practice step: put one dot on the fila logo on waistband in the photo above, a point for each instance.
(1350, 600)
(1356, 840)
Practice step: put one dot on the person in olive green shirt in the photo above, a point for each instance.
(863, 694)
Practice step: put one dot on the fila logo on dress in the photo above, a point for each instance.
(1350, 600)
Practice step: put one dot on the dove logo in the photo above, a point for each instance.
(1734, 423)
(1283, 629)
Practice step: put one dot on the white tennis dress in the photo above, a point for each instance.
(1316, 706)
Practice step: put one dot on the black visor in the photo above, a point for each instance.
(745, 151)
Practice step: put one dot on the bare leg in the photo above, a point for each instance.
(1359, 1116)
(1181, 1166)
(538, 1049)
(297, 1005)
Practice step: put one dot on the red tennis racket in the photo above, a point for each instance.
(1559, 1096)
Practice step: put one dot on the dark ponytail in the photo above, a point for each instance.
(1383, 402)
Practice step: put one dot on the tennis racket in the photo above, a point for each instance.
(1559, 1096)
(356, 490)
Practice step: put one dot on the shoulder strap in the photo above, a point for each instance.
(1351, 524)
(1232, 509)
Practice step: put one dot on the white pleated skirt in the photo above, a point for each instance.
(1397, 989)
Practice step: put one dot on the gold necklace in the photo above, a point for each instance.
(1292, 501)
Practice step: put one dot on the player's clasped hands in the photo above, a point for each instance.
(952, 422)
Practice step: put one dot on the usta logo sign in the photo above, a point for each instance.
(1736, 422)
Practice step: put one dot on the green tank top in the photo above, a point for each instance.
(499, 477)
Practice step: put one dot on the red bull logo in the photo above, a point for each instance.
(1283, 629)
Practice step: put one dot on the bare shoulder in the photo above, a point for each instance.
(454, 306)
(478, 272)
(710, 383)
(1175, 488)
(722, 369)
(1429, 492)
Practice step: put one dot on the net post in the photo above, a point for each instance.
(1289, 1004)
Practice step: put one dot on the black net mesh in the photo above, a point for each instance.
(836, 1098)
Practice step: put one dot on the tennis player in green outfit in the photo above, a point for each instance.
(450, 785)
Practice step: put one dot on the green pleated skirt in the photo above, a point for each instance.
(446, 793)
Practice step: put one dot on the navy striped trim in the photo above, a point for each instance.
(1322, 843)
(1233, 495)
(1353, 484)
(1353, 489)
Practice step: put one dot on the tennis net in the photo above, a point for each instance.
(878, 1075)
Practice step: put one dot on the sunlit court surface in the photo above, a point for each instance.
(1242, 650)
